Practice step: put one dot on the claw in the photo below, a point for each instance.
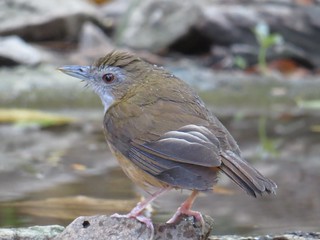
(185, 209)
(137, 210)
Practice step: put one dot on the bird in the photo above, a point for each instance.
(162, 134)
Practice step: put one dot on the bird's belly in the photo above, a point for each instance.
(136, 174)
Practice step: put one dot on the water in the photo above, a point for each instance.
(74, 161)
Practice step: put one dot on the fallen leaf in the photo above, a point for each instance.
(28, 116)
(78, 167)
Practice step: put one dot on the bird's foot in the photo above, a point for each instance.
(184, 211)
(137, 210)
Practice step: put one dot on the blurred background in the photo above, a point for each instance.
(255, 64)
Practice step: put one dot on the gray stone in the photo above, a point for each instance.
(286, 236)
(102, 227)
(111, 13)
(155, 25)
(30, 233)
(44, 20)
(93, 44)
(92, 36)
(13, 50)
(109, 228)
(233, 24)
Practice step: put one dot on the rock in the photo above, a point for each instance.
(229, 24)
(30, 233)
(103, 227)
(92, 36)
(109, 228)
(115, 8)
(233, 24)
(155, 25)
(44, 20)
(93, 43)
(13, 50)
(110, 14)
(287, 236)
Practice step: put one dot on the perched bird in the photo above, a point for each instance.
(162, 134)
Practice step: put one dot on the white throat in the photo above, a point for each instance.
(107, 101)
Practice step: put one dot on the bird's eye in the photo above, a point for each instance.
(108, 78)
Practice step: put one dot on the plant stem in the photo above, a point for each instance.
(262, 59)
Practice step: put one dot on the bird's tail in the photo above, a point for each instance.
(245, 176)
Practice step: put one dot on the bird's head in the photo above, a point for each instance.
(112, 76)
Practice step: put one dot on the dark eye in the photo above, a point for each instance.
(108, 78)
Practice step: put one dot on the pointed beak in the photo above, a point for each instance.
(81, 72)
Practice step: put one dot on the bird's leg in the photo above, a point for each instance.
(185, 208)
(136, 211)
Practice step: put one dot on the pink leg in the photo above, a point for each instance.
(185, 208)
(136, 211)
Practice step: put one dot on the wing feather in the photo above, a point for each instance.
(190, 144)
(176, 174)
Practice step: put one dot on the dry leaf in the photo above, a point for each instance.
(33, 116)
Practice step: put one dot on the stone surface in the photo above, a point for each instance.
(30, 233)
(13, 50)
(93, 43)
(233, 24)
(93, 37)
(102, 227)
(286, 236)
(108, 228)
(155, 25)
(44, 20)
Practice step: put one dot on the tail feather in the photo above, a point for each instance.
(245, 176)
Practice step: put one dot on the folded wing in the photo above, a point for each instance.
(184, 158)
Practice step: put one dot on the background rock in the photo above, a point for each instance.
(35, 20)
(91, 41)
(30, 233)
(14, 50)
(155, 25)
(233, 24)
(195, 28)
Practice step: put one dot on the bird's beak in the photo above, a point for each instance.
(81, 72)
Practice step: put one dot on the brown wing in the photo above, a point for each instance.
(189, 144)
(183, 158)
(160, 140)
